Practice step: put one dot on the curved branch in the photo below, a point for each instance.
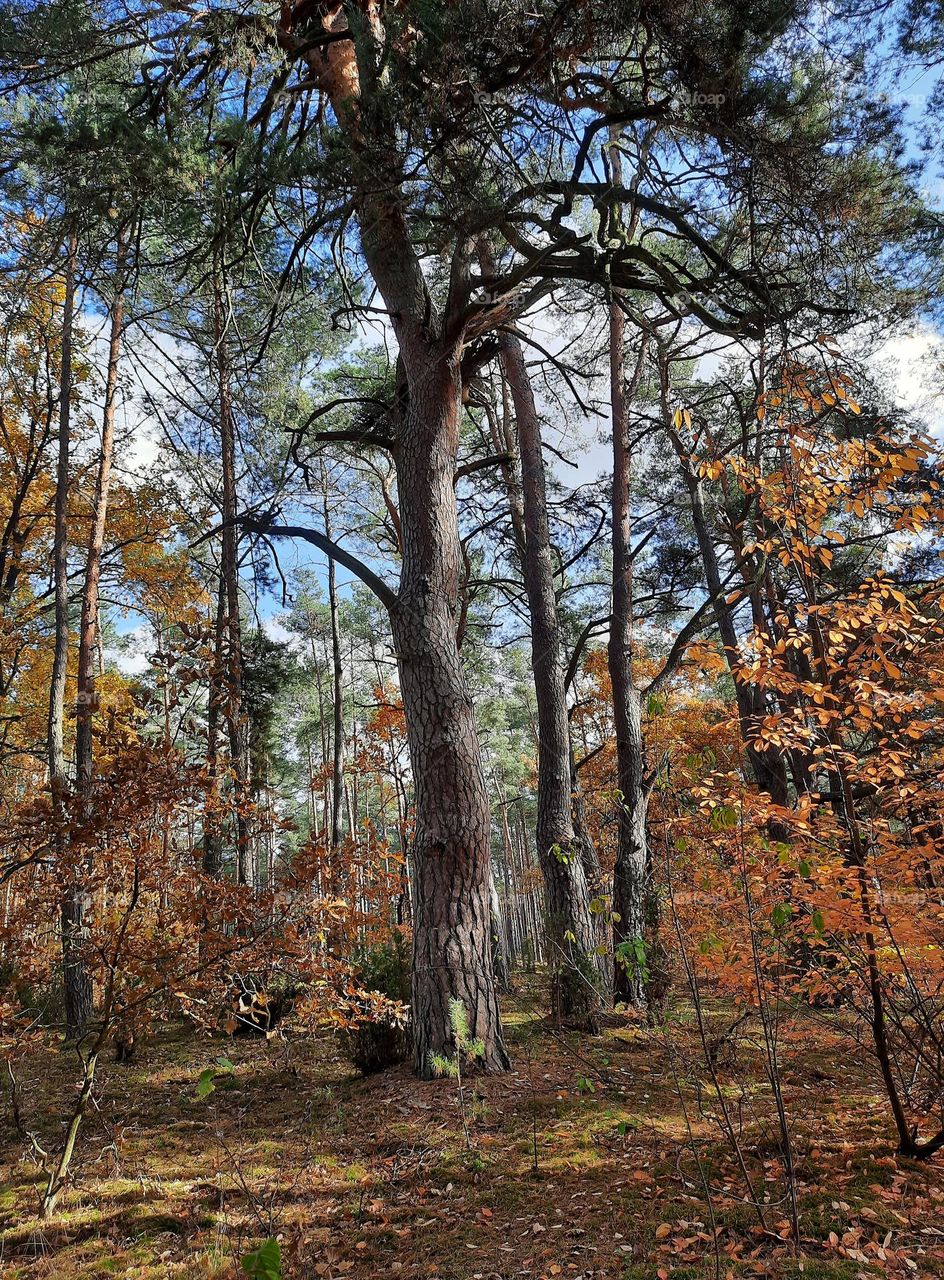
(385, 594)
(480, 464)
(582, 639)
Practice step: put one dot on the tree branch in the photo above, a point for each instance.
(385, 594)
(479, 464)
(580, 645)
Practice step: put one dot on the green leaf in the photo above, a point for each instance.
(781, 914)
(205, 1085)
(264, 1263)
(631, 954)
(723, 818)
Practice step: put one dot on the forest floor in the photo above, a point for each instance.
(595, 1158)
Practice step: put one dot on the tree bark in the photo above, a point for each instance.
(452, 954)
(337, 741)
(75, 903)
(571, 941)
(89, 637)
(500, 959)
(229, 568)
(631, 870)
(212, 814)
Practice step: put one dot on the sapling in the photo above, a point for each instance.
(466, 1047)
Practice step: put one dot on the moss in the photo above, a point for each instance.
(361, 1161)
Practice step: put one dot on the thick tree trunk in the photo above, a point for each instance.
(571, 937)
(452, 953)
(451, 849)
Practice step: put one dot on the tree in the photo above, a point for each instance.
(404, 149)
(571, 940)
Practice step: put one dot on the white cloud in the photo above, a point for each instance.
(912, 365)
(131, 658)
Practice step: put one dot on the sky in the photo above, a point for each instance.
(906, 360)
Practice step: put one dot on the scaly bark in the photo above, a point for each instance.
(571, 939)
(452, 957)
(452, 954)
(337, 693)
(212, 859)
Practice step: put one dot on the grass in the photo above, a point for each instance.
(361, 1178)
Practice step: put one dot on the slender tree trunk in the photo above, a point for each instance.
(233, 680)
(570, 933)
(597, 887)
(88, 627)
(499, 937)
(212, 815)
(57, 687)
(768, 767)
(631, 870)
(337, 691)
(75, 905)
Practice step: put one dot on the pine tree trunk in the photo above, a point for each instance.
(75, 904)
(451, 847)
(452, 953)
(597, 887)
(499, 938)
(233, 679)
(88, 627)
(570, 933)
(337, 693)
(631, 870)
(212, 815)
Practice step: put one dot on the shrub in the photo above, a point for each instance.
(378, 1036)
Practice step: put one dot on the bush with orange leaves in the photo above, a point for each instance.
(839, 897)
